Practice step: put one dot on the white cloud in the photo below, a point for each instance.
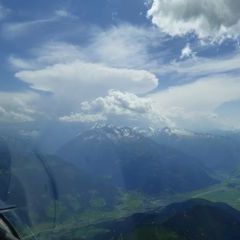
(14, 29)
(81, 81)
(3, 12)
(194, 105)
(11, 116)
(187, 52)
(201, 94)
(62, 13)
(84, 118)
(208, 19)
(120, 107)
(19, 63)
(125, 46)
(118, 103)
(195, 67)
(113, 59)
(49, 54)
(17, 107)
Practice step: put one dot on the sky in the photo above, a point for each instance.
(144, 63)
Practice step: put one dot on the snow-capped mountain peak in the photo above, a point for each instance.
(110, 132)
(176, 132)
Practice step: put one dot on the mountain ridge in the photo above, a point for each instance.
(132, 160)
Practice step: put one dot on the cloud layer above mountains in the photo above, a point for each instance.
(131, 74)
(120, 108)
(82, 85)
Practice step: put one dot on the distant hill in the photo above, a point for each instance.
(134, 162)
(219, 152)
(194, 219)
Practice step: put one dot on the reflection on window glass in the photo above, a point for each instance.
(119, 120)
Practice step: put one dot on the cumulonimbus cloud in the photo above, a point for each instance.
(80, 81)
(208, 19)
(119, 106)
(88, 80)
(73, 74)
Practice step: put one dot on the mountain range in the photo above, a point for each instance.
(219, 152)
(119, 175)
(134, 162)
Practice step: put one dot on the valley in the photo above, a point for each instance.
(108, 174)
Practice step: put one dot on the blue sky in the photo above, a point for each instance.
(146, 63)
(73, 29)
